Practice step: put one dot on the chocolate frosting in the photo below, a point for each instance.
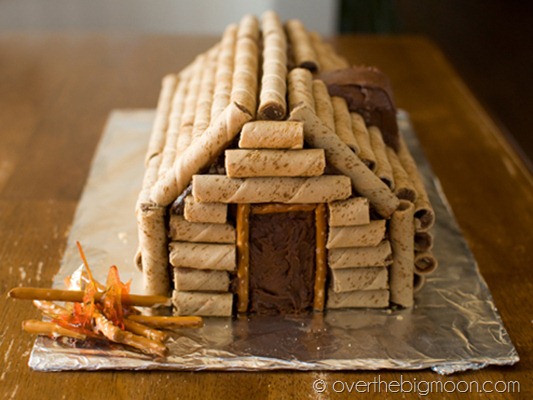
(368, 92)
(282, 262)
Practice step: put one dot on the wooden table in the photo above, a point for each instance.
(56, 92)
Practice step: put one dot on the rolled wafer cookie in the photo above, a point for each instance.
(203, 255)
(418, 282)
(153, 258)
(224, 71)
(189, 109)
(202, 114)
(343, 123)
(383, 167)
(174, 121)
(318, 135)
(323, 106)
(347, 280)
(206, 304)
(159, 128)
(402, 235)
(424, 214)
(319, 189)
(300, 84)
(272, 135)
(272, 103)
(423, 241)
(195, 280)
(425, 263)
(353, 211)
(377, 256)
(185, 231)
(244, 83)
(369, 235)
(403, 185)
(214, 213)
(362, 137)
(200, 154)
(256, 163)
(303, 53)
(359, 299)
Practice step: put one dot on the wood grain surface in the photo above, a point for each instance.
(56, 92)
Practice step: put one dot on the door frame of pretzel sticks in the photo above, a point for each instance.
(246, 214)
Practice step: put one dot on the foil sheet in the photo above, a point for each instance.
(454, 325)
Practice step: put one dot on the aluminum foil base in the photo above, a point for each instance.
(454, 325)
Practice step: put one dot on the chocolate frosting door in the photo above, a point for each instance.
(282, 262)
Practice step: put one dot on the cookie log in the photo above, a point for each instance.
(272, 103)
(354, 211)
(256, 163)
(188, 279)
(402, 236)
(303, 53)
(320, 189)
(347, 280)
(152, 258)
(203, 255)
(424, 214)
(425, 263)
(272, 135)
(378, 256)
(213, 213)
(184, 231)
(369, 235)
(202, 303)
(359, 299)
(403, 186)
(383, 167)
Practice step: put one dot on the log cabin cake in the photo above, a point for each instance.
(277, 182)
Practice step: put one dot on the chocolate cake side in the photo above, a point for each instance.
(277, 182)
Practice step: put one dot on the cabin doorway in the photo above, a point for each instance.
(282, 259)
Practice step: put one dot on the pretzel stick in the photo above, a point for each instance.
(50, 309)
(272, 103)
(143, 330)
(50, 329)
(76, 296)
(168, 322)
(117, 335)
